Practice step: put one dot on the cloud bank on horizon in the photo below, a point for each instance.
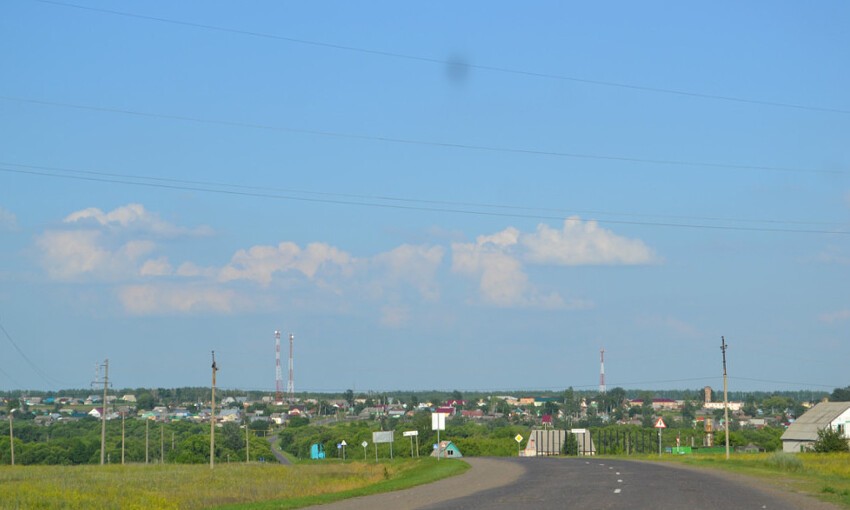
(127, 248)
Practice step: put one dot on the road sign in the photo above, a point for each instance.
(660, 424)
(518, 438)
(409, 433)
(382, 436)
(364, 444)
(343, 443)
(438, 421)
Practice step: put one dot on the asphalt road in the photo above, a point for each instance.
(586, 484)
(591, 484)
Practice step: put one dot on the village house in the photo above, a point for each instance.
(802, 434)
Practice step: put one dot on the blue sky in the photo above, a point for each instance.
(472, 196)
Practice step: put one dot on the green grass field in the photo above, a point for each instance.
(232, 486)
(825, 476)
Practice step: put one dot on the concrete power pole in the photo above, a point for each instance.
(212, 415)
(725, 395)
(103, 412)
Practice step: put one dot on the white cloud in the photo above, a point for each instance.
(412, 265)
(502, 279)
(837, 316)
(8, 220)
(156, 267)
(192, 270)
(70, 254)
(107, 246)
(497, 259)
(261, 263)
(169, 299)
(583, 243)
(132, 216)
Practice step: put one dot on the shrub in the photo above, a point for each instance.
(831, 440)
(784, 462)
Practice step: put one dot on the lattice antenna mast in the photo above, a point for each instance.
(290, 384)
(602, 371)
(278, 373)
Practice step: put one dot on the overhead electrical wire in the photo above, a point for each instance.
(431, 143)
(432, 60)
(170, 184)
(389, 198)
(26, 358)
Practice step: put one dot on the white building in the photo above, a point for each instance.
(802, 434)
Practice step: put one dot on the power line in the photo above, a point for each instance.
(270, 195)
(390, 198)
(432, 60)
(428, 143)
(41, 373)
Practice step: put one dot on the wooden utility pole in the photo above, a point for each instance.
(725, 395)
(212, 415)
(147, 440)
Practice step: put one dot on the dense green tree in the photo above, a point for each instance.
(145, 401)
(840, 394)
(647, 413)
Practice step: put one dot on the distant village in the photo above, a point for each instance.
(566, 411)
(705, 412)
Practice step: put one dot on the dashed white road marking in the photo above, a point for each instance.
(619, 481)
(617, 491)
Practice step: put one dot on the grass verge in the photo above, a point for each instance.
(825, 476)
(232, 486)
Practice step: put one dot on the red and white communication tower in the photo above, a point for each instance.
(278, 374)
(602, 370)
(290, 384)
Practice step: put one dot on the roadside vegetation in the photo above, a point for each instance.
(234, 486)
(822, 475)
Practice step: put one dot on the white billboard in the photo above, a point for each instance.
(382, 437)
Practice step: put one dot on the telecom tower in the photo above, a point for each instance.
(602, 370)
(290, 385)
(278, 374)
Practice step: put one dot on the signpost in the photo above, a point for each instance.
(343, 444)
(364, 444)
(411, 434)
(518, 440)
(660, 425)
(438, 423)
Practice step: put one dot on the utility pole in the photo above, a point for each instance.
(122, 439)
(212, 415)
(11, 436)
(103, 412)
(162, 443)
(147, 440)
(725, 395)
